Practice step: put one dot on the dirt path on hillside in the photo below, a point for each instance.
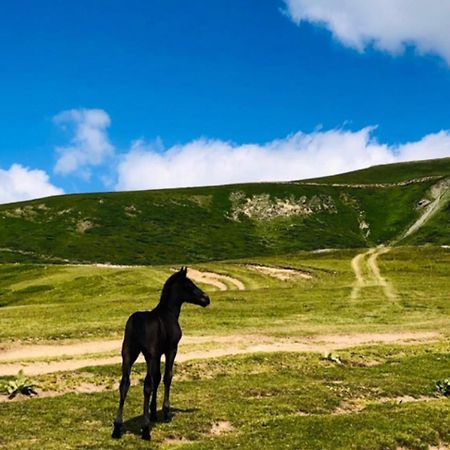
(357, 267)
(25, 352)
(375, 270)
(440, 194)
(281, 273)
(373, 185)
(372, 275)
(215, 279)
(356, 264)
(38, 255)
(225, 346)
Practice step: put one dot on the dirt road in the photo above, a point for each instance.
(215, 279)
(367, 273)
(222, 346)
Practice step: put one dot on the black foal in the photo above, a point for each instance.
(156, 333)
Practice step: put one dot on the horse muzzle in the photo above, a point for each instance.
(205, 300)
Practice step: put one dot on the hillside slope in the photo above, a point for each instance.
(225, 222)
(391, 173)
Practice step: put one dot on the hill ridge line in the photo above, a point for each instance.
(372, 185)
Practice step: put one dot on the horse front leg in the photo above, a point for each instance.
(168, 374)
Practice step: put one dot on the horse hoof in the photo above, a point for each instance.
(146, 434)
(117, 432)
(167, 418)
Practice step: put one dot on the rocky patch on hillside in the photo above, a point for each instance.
(265, 207)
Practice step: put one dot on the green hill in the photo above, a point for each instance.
(392, 173)
(226, 222)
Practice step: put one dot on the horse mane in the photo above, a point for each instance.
(168, 284)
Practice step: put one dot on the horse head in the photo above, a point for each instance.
(189, 292)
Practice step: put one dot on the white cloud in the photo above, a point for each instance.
(89, 145)
(388, 25)
(20, 183)
(299, 156)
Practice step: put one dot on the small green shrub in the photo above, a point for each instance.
(19, 385)
(443, 387)
(332, 357)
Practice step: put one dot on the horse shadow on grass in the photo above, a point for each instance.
(134, 425)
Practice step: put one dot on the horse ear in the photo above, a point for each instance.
(183, 270)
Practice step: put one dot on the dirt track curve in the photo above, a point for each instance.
(370, 275)
(215, 279)
(224, 346)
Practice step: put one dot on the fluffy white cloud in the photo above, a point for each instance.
(300, 156)
(20, 183)
(89, 145)
(388, 25)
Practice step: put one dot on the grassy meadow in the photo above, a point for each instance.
(376, 398)
(372, 397)
(241, 384)
(42, 303)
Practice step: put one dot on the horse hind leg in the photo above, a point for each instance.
(155, 369)
(150, 385)
(129, 356)
(168, 373)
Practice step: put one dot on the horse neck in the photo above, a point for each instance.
(169, 303)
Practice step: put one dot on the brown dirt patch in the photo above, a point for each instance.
(221, 427)
(440, 446)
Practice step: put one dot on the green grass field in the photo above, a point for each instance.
(47, 303)
(378, 397)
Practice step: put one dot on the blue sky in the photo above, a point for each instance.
(160, 93)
